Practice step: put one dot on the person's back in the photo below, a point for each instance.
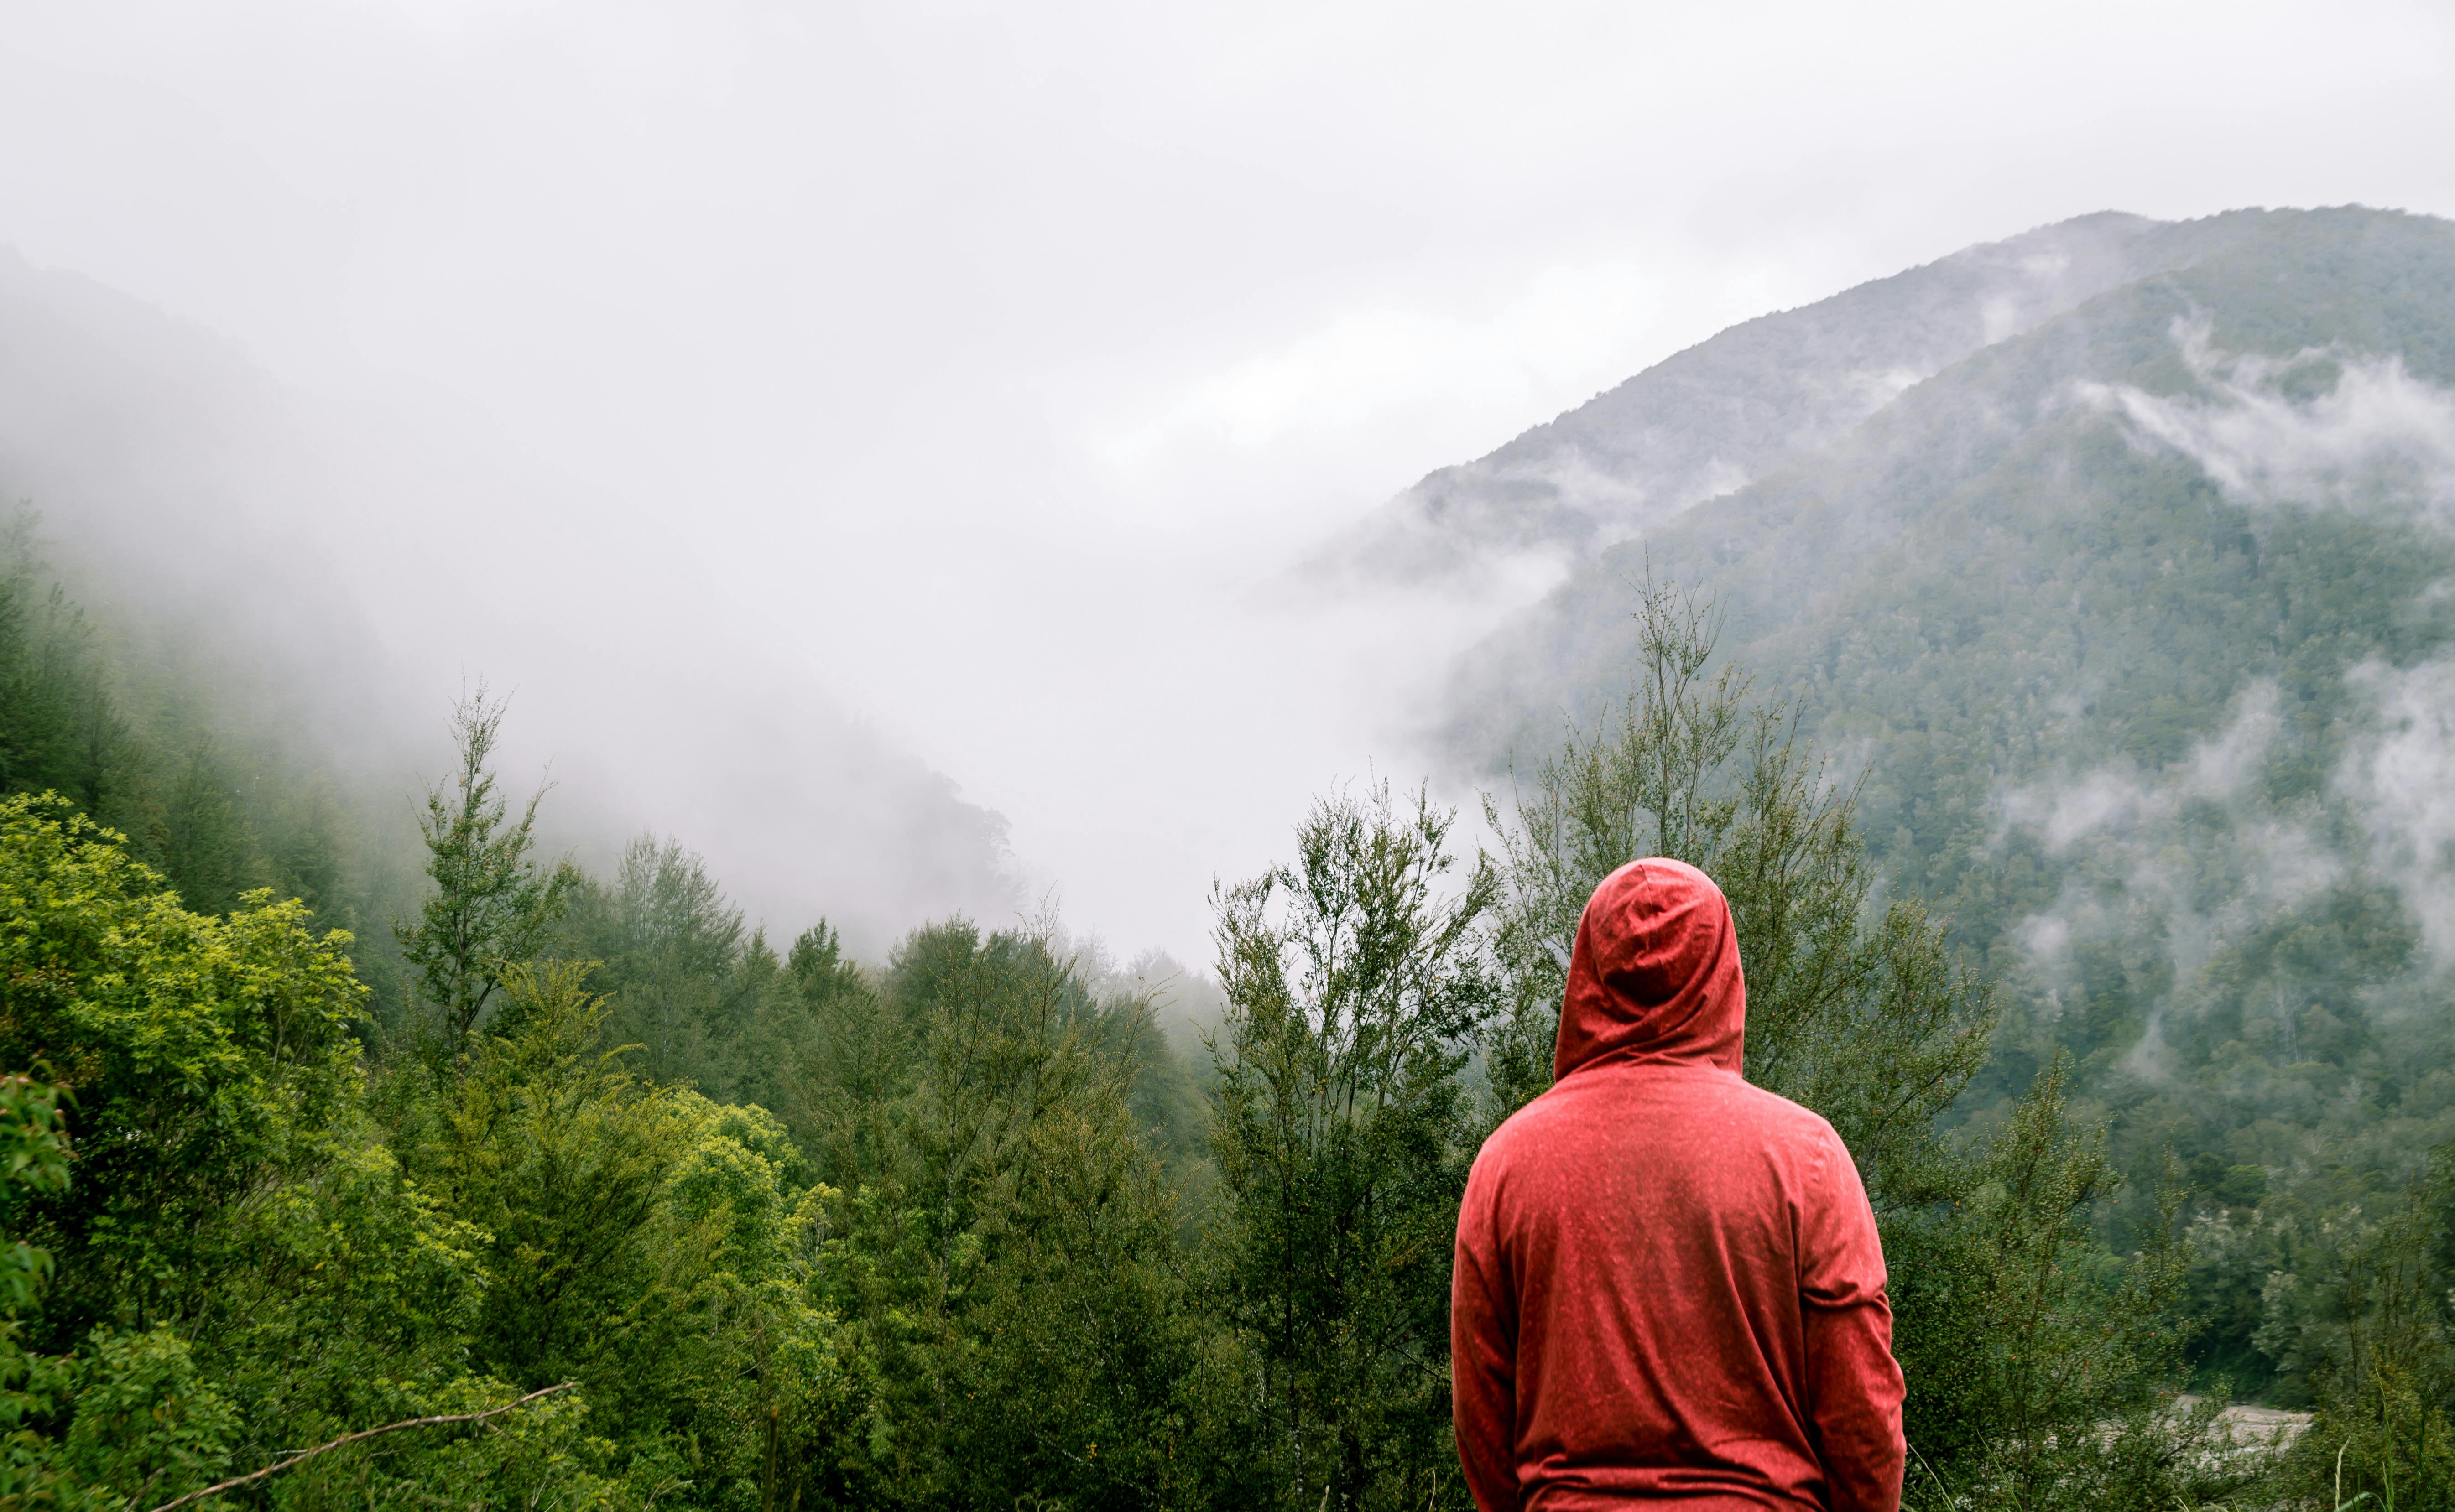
(1668, 1284)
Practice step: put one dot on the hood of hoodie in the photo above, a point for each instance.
(1655, 974)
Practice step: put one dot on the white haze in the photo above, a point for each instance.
(2374, 440)
(2137, 881)
(2140, 881)
(2123, 798)
(2377, 441)
(2402, 782)
(2378, 438)
(724, 376)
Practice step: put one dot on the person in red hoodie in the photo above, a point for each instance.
(1668, 1284)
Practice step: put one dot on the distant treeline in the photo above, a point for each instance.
(592, 1196)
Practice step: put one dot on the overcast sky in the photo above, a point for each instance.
(999, 357)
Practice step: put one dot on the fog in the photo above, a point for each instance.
(2176, 875)
(790, 404)
(2375, 439)
(2119, 823)
(1759, 396)
(2366, 436)
(2404, 785)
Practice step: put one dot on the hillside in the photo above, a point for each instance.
(1741, 405)
(2136, 627)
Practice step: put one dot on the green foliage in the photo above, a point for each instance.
(2042, 1368)
(239, 1260)
(146, 1419)
(1343, 1130)
(34, 1162)
(674, 957)
(561, 1157)
(2024, 1343)
(1002, 1246)
(197, 1050)
(493, 906)
(32, 1387)
(537, 1456)
(1874, 1027)
(59, 728)
(2375, 1337)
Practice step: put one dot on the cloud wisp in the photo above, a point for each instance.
(2374, 438)
(2178, 864)
(2178, 873)
(2402, 782)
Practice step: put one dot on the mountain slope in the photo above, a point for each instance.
(1732, 409)
(2139, 630)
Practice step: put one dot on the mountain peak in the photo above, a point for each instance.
(1708, 420)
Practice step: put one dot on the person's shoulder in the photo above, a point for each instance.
(1571, 1103)
(1524, 1124)
(1788, 1126)
(1775, 1109)
(1532, 1133)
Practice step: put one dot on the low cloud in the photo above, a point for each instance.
(2136, 874)
(2374, 438)
(2121, 798)
(2401, 781)
(2184, 862)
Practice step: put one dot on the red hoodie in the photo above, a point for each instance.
(1667, 1281)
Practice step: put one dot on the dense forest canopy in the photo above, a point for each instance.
(2067, 728)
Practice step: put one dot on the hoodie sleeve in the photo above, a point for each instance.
(1854, 1382)
(1483, 1357)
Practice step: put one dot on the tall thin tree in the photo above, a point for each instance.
(492, 903)
(1355, 980)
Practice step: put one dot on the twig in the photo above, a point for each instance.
(363, 1433)
(1940, 1482)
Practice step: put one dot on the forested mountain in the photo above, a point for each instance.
(2134, 629)
(1737, 407)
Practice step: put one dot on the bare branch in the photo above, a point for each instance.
(305, 1455)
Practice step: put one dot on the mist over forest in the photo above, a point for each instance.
(296, 551)
(2056, 634)
(734, 775)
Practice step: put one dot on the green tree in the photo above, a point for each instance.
(60, 728)
(2369, 1317)
(1874, 1026)
(671, 953)
(206, 846)
(639, 1239)
(240, 1259)
(1003, 1248)
(1355, 979)
(34, 1152)
(562, 1156)
(2020, 1336)
(2043, 1369)
(800, 1007)
(492, 904)
(203, 1054)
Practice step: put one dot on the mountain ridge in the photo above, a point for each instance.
(1710, 418)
